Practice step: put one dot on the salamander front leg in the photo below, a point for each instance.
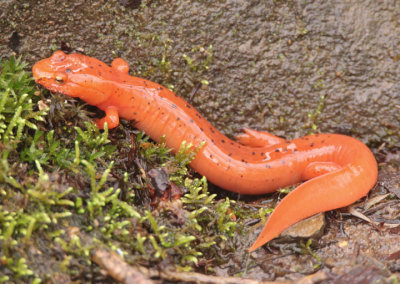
(120, 65)
(111, 117)
(254, 138)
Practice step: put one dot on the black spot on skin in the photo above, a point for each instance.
(159, 89)
(148, 103)
(145, 83)
(211, 156)
(323, 141)
(135, 113)
(188, 106)
(230, 154)
(99, 73)
(283, 162)
(232, 143)
(253, 153)
(262, 154)
(241, 176)
(276, 150)
(178, 118)
(201, 129)
(99, 65)
(162, 113)
(223, 141)
(174, 106)
(191, 120)
(287, 142)
(267, 166)
(212, 130)
(294, 150)
(212, 140)
(312, 144)
(91, 67)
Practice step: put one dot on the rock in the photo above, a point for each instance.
(312, 227)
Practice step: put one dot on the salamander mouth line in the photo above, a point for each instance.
(58, 81)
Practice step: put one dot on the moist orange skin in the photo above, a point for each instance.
(339, 169)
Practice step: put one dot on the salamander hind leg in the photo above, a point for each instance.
(254, 138)
(111, 117)
(120, 65)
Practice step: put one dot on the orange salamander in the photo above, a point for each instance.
(337, 170)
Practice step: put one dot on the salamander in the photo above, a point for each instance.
(337, 170)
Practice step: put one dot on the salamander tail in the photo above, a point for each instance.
(323, 193)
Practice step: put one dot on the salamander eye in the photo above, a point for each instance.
(59, 79)
(68, 71)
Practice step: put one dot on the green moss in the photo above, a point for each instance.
(313, 116)
(199, 61)
(307, 249)
(16, 105)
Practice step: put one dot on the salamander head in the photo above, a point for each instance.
(74, 75)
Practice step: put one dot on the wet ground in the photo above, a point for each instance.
(284, 67)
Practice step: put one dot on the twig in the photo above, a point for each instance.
(117, 268)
